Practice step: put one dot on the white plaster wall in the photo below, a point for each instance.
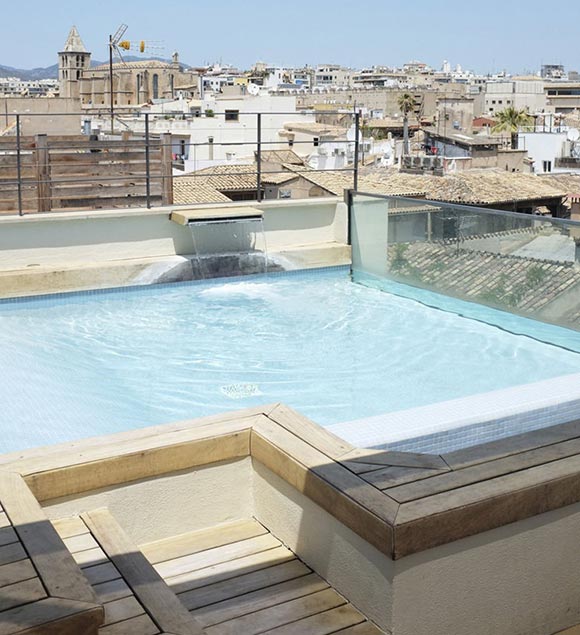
(355, 568)
(169, 505)
(73, 239)
(521, 579)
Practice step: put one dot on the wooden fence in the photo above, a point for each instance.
(44, 173)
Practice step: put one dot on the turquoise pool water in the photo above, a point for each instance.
(88, 364)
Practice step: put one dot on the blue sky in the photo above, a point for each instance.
(484, 36)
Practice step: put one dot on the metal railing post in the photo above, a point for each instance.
(19, 165)
(147, 162)
(259, 157)
(356, 148)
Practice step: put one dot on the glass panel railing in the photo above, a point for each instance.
(524, 264)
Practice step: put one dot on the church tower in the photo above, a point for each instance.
(72, 61)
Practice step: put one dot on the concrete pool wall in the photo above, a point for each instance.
(54, 252)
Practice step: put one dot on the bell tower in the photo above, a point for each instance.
(72, 61)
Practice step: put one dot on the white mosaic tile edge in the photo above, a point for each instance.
(552, 400)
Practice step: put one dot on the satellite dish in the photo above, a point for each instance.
(253, 89)
(573, 134)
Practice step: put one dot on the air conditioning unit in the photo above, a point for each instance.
(427, 163)
(416, 162)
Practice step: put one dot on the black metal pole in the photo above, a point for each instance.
(19, 165)
(147, 162)
(259, 157)
(111, 91)
(356, 148)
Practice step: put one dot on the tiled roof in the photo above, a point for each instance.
(567, 182)
(234, 177)
(187, 189)
(524, 284)
(321, 129)
(134, 64)
(281, 156)
(336, 182)
(474, 187)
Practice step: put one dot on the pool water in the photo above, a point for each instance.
(82, 365)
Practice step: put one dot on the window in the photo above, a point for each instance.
(232, 115)
(290, 143)
(547, 166)
(155, 86)
(316, 142)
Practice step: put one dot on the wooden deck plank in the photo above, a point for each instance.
(52, 560)
(4, 522)
(322, 623)
(141, 625)
(149, 588)
(17, 572)
(57, 617)
(12, 553)
(69, 527)
(227, 570)
(90, 558)
(279, 615)
(123, 609)
(485, 471)
(21, 593)
(258, 600)
(388, 477)
(196, 541)
(361, 468)
(313, 434)
(395, 459)
(242, 584)
(112, 590)
(101, 573)
(366, 628)
(216, 556)
(7, 536)
(83, 542)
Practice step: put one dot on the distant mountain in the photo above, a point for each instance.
(51, 72)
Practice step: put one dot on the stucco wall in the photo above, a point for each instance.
(521, 579)
(169, 505)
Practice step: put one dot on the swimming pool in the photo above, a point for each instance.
(95, 363)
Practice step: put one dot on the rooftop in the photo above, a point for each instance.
(472, 187)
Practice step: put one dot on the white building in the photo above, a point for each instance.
(527, 94)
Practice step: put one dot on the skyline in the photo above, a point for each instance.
(308, 33)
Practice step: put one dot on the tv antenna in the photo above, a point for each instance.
(114, 41)
(116, 44)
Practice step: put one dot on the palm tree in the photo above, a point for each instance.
(407, 104)
(511, 120)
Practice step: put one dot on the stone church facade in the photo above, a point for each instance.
(134, 83)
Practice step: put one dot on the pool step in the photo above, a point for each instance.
(134, 596)
(238, 578)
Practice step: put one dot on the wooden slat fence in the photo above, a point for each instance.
(75, 172)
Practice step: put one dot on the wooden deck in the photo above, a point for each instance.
(232, 579)
(238, 578)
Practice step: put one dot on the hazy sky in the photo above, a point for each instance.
(484, 36)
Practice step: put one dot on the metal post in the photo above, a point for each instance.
(147, 162)
(259, 157)
(18, 165)
(111, 92)
(356, 148)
